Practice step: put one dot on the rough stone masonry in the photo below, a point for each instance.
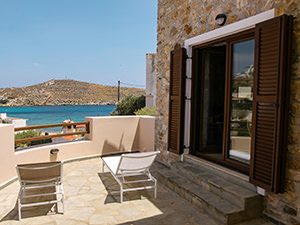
(178, 20)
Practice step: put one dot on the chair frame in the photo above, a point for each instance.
(29, 184)
(120, 174)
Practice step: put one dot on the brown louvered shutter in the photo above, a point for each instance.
(176, 100)
(270, 102)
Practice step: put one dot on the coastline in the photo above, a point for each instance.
(55, 114)
(37, 105)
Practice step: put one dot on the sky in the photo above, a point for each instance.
(243, 54)
(96, 41)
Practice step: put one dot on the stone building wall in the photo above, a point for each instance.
(150, 79)
(179, 20)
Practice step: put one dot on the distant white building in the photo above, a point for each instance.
(3, 116)
(68, 128)
(150, 79)
(17, 122)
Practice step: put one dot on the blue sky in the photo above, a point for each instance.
(97, 41)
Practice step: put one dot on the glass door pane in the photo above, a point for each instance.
(241, 101)
(212, 104)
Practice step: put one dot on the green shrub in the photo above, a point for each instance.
(26, 134)
(150, 111)
(3, 101)
(128, 105)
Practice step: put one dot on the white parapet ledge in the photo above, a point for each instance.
(229, 29)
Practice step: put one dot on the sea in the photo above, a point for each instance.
(41, 115)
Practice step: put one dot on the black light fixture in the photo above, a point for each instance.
(54, 151)
(221, 19)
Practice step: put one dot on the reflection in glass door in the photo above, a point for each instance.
(241, 101)
(212, 104)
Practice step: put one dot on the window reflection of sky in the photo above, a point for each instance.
(243, 56)
(241, 102)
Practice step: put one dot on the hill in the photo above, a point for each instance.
(64, 92)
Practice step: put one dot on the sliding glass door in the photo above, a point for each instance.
(222, 94)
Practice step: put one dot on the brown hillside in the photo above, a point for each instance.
(65, 92)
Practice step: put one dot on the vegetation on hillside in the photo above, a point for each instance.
(3, 101)
(129, 105)
(66, 92)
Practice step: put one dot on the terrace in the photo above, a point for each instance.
(86, 188)
(87, 202)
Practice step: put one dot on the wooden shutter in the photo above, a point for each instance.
(270, 102)
(176, 100)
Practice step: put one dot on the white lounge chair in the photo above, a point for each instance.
(131, 165)
(37, 181)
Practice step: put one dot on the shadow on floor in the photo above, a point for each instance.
(162, 203)
(34, 211)
(113, 190)
(29, 212)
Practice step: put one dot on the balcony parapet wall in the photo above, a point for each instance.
(107, 135)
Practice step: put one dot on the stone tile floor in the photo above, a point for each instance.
(87, 202)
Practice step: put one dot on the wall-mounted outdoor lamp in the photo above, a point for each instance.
(221, 19)
(54, 151)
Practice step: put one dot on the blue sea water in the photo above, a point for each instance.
(41, 115)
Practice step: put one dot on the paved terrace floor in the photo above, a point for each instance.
(87, 202)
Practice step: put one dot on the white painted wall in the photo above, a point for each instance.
(7, 155)
(18, 122)
(3, 116)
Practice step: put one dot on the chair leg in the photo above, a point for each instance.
(56, 196)
(19, 210)
(56, 208)
(121, 193)
(155, 188)
(102, 166)
(63, 204)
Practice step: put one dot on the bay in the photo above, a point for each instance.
(41, 115)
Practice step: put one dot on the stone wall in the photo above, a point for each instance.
(150, 79)
(179, 20)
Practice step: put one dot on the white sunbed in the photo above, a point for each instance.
(131, 165)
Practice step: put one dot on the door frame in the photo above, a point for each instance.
(197, 95)
(206, 39)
